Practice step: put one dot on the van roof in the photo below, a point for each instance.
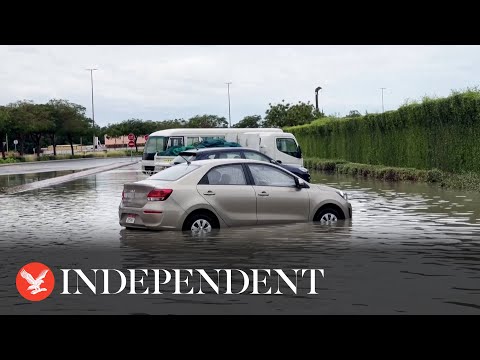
(216, 149)
(212, 131)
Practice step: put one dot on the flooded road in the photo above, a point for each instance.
(59, 165)
(409, 249)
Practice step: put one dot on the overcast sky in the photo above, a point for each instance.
(165, 82)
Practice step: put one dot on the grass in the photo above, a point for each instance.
(464, 181)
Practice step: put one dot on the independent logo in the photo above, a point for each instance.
(35, 281)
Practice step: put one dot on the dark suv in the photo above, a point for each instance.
(237, 153)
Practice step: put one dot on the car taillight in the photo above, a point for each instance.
(159, 194)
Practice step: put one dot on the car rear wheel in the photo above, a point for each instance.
(199, 224)
(327, 216)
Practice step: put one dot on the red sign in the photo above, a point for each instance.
(131, 136)
(146, 137)
(131, 143)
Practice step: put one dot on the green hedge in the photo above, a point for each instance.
(436, 133)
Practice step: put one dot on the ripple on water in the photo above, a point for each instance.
(407, 244)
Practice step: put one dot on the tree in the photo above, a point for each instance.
(354, 113)
(252, 121)
(28, 121)
(40, 123)
(60, 110)
(113, 131)
(281, 115)
(169, 124)
(137, 127)
(207, 121)
(74, 123)
(4, 125)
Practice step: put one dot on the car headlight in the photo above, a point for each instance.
(342, 194)
(301, 168)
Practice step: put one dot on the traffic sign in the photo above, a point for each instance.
(146, 137)
(131, 136)
(15, 142)
(131, 143)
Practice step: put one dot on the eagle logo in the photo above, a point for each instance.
(35, 289)
(35, 284)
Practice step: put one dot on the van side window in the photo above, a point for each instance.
(192, 140)
(176, 141)
(220, 137)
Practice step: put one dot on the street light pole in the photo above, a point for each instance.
(316, 96)
(93, 109)
(229, 117)
(383, 109)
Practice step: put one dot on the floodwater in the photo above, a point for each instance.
(409, 249)
(21, 179)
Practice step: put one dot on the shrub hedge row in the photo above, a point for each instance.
(435, 133)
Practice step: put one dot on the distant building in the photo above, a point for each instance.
(122, 142)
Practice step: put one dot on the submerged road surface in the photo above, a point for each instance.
(59, 165)
(409, 249)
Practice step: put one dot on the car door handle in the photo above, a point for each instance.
(209, 192)
(263, 193)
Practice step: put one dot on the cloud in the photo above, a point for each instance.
(160, 82)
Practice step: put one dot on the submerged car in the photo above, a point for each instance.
(237, 153)
(203, 195)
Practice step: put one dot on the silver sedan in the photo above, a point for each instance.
(206, 194)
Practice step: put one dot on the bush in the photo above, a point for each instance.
(434, 176)
(8, 160)
(436, 133)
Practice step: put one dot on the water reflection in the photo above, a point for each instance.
(20, 179)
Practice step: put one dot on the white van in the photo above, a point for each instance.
(270, 141)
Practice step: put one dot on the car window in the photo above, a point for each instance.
(230, 155)
(225, 175)
(255, 156)
(205, 157)
(264, 175)
(174, 173)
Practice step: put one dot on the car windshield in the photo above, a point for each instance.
(184, 157)
(174, 173)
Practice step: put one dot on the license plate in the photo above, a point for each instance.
(130, 194)
(130, 219)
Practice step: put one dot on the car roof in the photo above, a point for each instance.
(214, 162)
(217, 149)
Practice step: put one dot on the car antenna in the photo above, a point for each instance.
(188, 162)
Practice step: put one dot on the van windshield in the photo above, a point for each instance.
(155, 144)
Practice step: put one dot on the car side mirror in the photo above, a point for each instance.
(300, 184)
(279, 161)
